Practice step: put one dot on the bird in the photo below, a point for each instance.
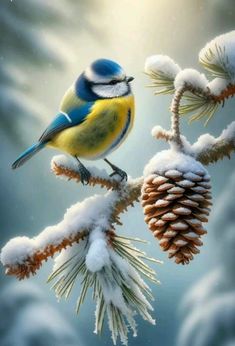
(95, 116)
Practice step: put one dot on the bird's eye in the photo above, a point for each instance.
(113, 82)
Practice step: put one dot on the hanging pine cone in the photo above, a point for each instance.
(176, 201)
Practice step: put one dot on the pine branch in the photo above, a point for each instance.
(226, 93)
(162, 71)
(64, 168)
(203, 103)
(198, 96)
(209, 149)
(111, 266)
(21, 260)
(128, 192)
(131, 195)
(175, 124)
(33, 262)
(106, 262)
(217, 56)
(160, 133)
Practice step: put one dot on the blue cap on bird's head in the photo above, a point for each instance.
(102, 70)
(103, 79)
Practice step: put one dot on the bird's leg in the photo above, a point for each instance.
(83, 171)
(116, 170)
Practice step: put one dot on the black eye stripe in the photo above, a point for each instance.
(112, 82)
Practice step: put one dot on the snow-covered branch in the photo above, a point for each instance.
(159, 132)
(194, 94)
(176, 195)
(209, 149)
(108, 263)
(23, 256)
(111, 266)
(217, 56)
(162, 71)
(200, 97)
(65, 168)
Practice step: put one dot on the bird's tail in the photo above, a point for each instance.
(27, 154)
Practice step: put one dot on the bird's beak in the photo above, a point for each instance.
(129, 79)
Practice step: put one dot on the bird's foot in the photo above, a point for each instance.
(85, 175)
(120, 172)
(116, 170)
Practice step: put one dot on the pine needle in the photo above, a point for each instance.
(111, 278)
(199, 106)
(163, 83)
(216, 62)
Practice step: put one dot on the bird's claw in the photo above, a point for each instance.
(85, 175)
(119, 172)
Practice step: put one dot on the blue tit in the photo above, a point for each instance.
(96, 115)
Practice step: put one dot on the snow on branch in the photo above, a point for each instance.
(195, 95)
(64, 167)
(159, 132)
(111, 266)
(218, 56)
(209, 149)
(204, 102)
(90, 248)
(23, 256)
(190, 78)
(200, 97)
(108, 263)
(162, 71)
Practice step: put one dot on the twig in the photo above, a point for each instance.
(225, 94)
(159, 133)
(34, 262)
(175, 128)
(215, 148)
(63, 171)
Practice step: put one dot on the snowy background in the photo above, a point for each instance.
(43, 49)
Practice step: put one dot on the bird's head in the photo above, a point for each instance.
(107, 79)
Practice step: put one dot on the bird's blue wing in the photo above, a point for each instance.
(65, 120)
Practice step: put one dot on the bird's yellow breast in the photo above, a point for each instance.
(103, 130)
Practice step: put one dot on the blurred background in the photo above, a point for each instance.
(44, 46)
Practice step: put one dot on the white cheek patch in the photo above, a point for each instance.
(109, 91)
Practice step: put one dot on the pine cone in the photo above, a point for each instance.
(176, 202)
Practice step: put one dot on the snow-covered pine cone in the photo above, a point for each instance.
(176, 202)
